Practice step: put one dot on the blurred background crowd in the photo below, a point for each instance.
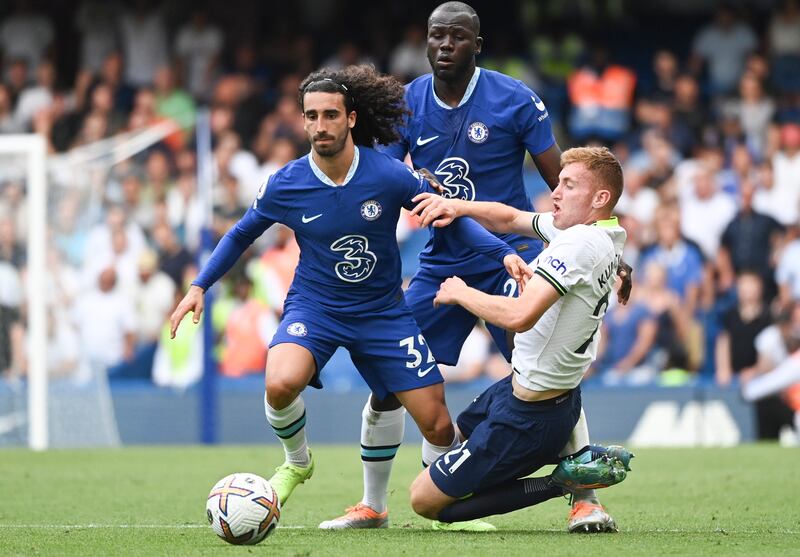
(699, 100)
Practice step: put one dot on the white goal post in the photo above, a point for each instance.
(33, 147)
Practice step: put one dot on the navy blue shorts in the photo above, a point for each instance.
(447, 327)
(387, 347)
(507, 439)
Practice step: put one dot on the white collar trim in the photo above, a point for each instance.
(324, 177)
(467, 94)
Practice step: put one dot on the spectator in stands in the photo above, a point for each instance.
(96, 21)
(249, 329)
(705, 211)
(627, 342)
(784, 47)
(143, 34)
(678, 342)
(348, 54)
(158, 175)
(682, 261)
(665, 70)
(735, 345)
(273, 272)
(602, 97)
(62, 282)
(10, 320)
(638, 201)
(173, 103)
(174, 259)
(11, 249)
(786, 175)
(409, 59)
(657, 158)
(100, 243)
(139, 206)
(112, 75)
(68, 233)
(144, 113)
(233, 162)
(178, 362)
(17, 76)
(8, 124)
(101, 99)
(749, 242)
(185, 211)
(106, 322)
(723, 47)
(198, 46)
(687, 108)
(37, 97)
(153, 300)
(754, 110)
(14, 204)
(25, 35)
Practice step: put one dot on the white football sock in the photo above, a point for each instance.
(431, 452)
(381, 436)
(577, 441)
(289, 425)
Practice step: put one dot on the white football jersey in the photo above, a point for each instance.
(581, 264)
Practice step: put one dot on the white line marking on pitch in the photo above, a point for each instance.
(300, 527)
(123, 526)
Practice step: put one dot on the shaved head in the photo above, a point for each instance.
(453, 8)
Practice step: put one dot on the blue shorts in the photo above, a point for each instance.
(507, 439)
(386, 347)
(447, 327)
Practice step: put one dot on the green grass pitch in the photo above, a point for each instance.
(151, 501)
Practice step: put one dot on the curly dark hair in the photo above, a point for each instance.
(379, 100)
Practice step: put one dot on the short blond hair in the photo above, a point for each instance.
(602, 164)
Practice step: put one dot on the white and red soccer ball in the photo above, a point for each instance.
(243, 508)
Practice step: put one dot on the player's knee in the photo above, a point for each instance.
(422, 503)
(282, 389)
(439, 431)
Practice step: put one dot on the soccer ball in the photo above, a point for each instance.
(243, 508)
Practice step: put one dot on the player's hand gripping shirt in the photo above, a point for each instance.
(349, 259)
(581, 264)
(476, 150)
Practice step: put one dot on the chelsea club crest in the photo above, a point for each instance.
(478, 132)
(297, 329)
(371, 209)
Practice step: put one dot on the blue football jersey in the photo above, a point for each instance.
(477, 151)
(349, 258)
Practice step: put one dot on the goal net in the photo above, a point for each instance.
(54, 314)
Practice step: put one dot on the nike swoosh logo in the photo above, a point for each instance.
(306, 219)
(425, 372)
(538, 104)
(422, 142)
(439, 466)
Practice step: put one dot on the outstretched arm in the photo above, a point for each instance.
(439, 211)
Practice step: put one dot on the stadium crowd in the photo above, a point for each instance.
(709, 137)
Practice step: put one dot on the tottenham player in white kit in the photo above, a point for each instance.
(522, 422)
